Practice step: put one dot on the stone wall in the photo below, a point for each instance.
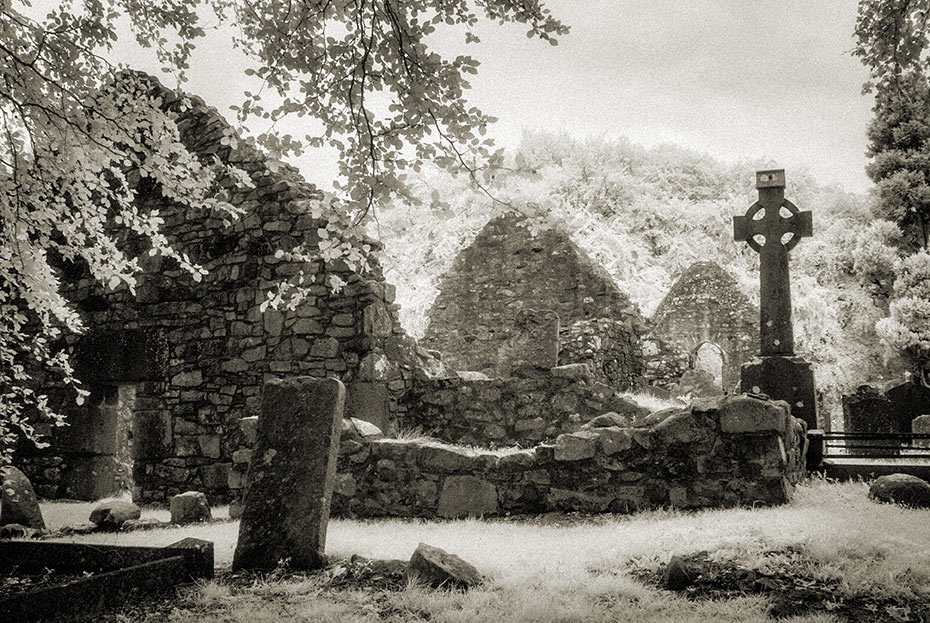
(506, 412)
(704, 306)
(197, 354)
(508, 269)
(716, 453)
(611, 348)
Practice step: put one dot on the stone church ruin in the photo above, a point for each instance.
(534, 345)
(173, 369)
(506, 270)
(704, 322)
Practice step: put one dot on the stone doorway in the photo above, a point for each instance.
(97, 444)
(710, 358)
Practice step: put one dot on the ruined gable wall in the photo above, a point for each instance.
(507, 269)
(199, 353)
(704, 305)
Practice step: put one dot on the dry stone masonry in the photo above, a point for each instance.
(703, 307)
(719, 452)
(506, 412)
(611, 348)
(183, 362)
(506, 270)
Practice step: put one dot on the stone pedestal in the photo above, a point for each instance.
(787, 378)
(289, 485)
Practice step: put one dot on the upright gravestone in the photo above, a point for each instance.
(533, 347)
(772, 227)
(290, 480)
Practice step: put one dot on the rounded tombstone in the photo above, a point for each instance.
(189, 507)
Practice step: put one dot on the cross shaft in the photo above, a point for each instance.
(775, 327)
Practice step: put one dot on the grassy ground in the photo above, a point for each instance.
(856, 560)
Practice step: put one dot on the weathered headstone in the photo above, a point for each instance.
(778, 372)
(290, 480)
(533, 347)
(921, 426)
(189, 507)
(910, 399)
(18, 503)
(869, 410)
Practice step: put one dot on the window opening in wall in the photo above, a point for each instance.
(709, 357)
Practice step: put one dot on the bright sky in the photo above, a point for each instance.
(731, 78)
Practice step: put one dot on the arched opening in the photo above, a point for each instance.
(710, 358)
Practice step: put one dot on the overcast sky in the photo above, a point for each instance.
(730, 78)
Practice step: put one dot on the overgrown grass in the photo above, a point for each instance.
(565, 568)
(654, 403)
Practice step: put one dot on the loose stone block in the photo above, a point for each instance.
(112, 514)
(290, 481)
(578, 371)
(189, 507)
(438, 568)
(18, 503)
(467, 496)
(369, 402)
(682, 427)
(901, 489)
(445, 459)
(249, 427)
(576, 446)
(615, 439)
(745, 414)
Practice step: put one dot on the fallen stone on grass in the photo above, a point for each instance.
(359, 572)
(17, 531)
(679, 574)
(440, 569)
(901, 489)
(84, 528)
(189, 507)
(18, 503)
(142, 524)
(112, 514)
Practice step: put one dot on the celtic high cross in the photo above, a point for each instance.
(781, 226)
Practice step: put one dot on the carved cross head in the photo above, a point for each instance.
(772, 216)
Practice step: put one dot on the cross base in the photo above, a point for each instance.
(787, 378)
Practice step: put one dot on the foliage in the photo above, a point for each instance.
(78, 132)
(899, 146)
(892, 41)
(648, 214)
(907, 328)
